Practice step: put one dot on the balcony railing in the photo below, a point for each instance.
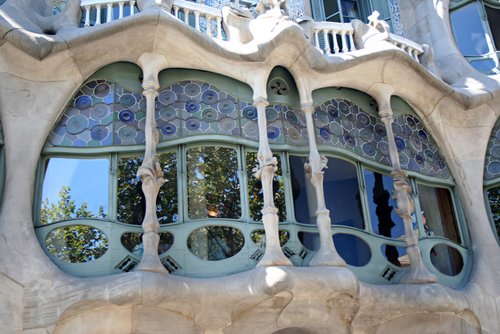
(331, 38)
(109, 7)
(190, 13)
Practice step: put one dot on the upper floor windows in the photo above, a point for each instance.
(91, 205)
(476, 27)
(348, 10)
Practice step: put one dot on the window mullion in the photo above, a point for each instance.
(182, 194)
(364, 198)
(113, 187)
(242, 175)
(290, 212)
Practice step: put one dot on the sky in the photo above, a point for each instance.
(88, 179)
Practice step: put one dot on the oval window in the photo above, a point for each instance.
(351, 248)
(133, 242)
(447, 259)
(214, 243)
(259, 237)
(77, 243)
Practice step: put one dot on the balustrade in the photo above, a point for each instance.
(200, 17)
(411, 48)
(336, 37)
(98, 6)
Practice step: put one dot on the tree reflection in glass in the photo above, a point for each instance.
(255, 195)
(131, 203)
(213, 184)
(214, 243)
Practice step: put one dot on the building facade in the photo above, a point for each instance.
(249, 167)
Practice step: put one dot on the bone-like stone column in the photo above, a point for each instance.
(418, 273)
(150, 172)
(327, 255)
(268, 165)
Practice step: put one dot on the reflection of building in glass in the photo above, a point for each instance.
(238, 167)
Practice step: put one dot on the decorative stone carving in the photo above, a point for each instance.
(374, 32)
(418, 273)
(144, 4)
(150, 172)
(268, 165)
(327, 254)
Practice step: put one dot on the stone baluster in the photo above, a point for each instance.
(351, 40)
(335, 43)
(327, 42)
(345, 47)
(176, 12)
(197, 20)
(109, 12)
(418, 273)
(87, 16)
(219, 27)
(186, 15)
(209, 25)
(316, 39)
(120, 9)
(98, 14)
(327, 255)
(150, 171)
(132, 8)
(415, 56)
(265, 171)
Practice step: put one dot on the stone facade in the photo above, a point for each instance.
(45, 59)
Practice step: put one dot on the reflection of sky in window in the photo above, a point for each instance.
(469, 31)
(87, 178)
(396, 231)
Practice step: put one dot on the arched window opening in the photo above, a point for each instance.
(90, 200)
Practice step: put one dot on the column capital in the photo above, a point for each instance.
(385, 113)
(307, 107)
(260, 102)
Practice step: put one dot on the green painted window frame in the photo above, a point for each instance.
(493, 54)
(365, 8)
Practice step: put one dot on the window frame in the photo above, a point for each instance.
(493, 53)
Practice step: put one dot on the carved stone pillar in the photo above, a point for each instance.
(150, 172)
(418, 273)
(327, 254)
(268, 165)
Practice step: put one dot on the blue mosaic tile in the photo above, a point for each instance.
(492, 162)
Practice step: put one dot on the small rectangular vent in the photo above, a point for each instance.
(170, 264)
(303, 253)
(388, 273)
(288, 252)
(257, 255)
(127, 264)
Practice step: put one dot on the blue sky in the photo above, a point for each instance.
(88, 179)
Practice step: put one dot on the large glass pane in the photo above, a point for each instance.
(255, 195)
(469, 31)
(131, 203)
(493, 15)
(74, 188)
(214, 243)
(212, 183)
(331, 8)
(304, 197)
(166, 203)
(382, 207)
(437, 212)
(76, 244)
(350, 10)
(342, 193)
(494, 200)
